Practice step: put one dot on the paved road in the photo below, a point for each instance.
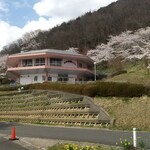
(73, 134)
(5, 144)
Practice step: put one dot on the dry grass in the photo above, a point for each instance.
(132, 77)
(136, 73)
(128, 112)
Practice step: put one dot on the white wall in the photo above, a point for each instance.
(66, 64)
(54, 77)
(28, 79)
(72, 79)
(25, 79)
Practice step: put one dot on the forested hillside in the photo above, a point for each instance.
(89, 30)
(127, 46)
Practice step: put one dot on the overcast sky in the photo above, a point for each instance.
(20, 16)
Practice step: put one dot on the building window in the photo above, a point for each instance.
(35, 78)
(55, 62)
(39, 62)
(62, 77)
(80, 65)
(27, 62)
(49, 78)
(43, 78)
(70, 61)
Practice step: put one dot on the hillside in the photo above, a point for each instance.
(89, 30)
(129, 46)
(128, 112)
(133, 51)
(136, 73)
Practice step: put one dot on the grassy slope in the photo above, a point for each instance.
(136, 73)
(128, 112)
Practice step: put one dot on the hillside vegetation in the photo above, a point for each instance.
(127, 112)
(129, 46)
(134, 72)
(89, 30)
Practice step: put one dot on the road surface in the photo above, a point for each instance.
(5, 144)
(100, 136)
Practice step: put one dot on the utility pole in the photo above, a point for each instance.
(94, 70)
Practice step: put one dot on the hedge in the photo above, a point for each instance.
(90, 89)
(13, 87)
(96, 89)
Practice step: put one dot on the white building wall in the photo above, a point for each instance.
(54, 77)
(72, 79)
(67, 64)
(25, 79)
(29, 79)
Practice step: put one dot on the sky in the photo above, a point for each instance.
(20, 16)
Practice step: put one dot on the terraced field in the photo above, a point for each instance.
(54, 108)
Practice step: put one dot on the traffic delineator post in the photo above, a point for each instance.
(13, 134)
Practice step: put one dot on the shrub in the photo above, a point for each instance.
(120, 89)
(5, 81)
(125, 144)
(71, 88)
(13, 88)
(98, 88)
(142, 144)
(77, 147)
(90, 90)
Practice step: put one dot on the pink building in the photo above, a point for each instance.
(49, 65)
